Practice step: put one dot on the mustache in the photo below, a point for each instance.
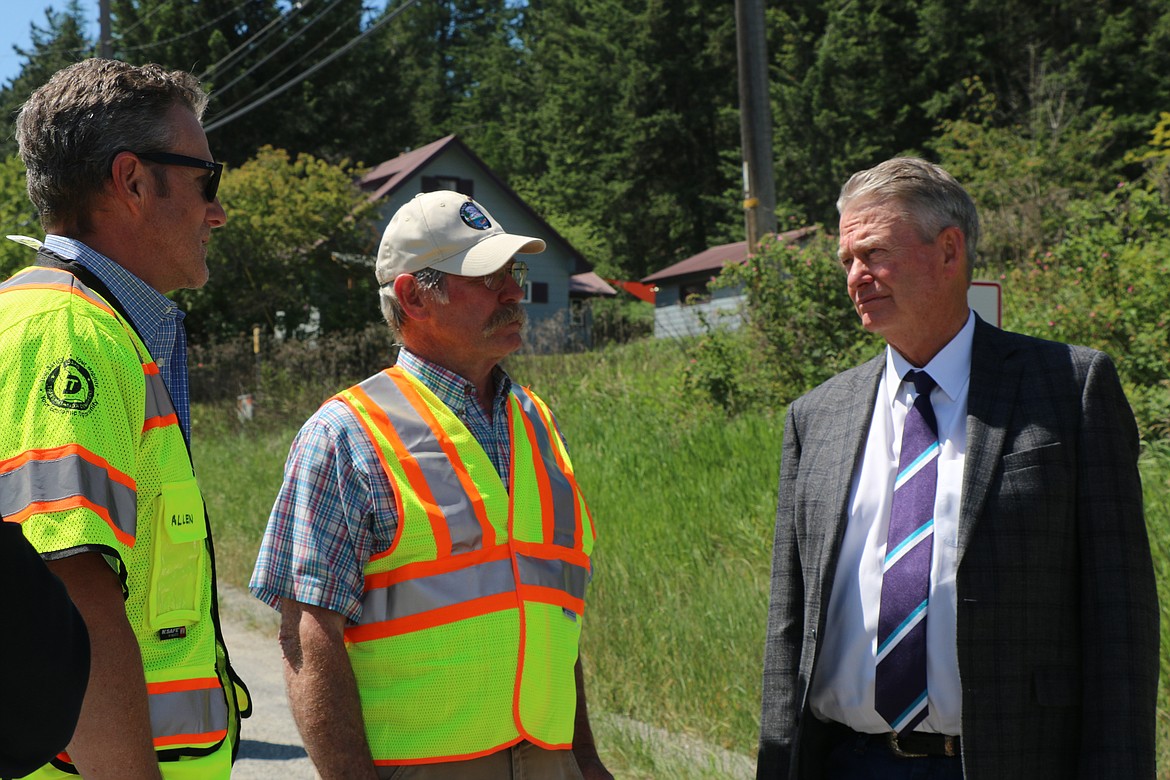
(512, 312)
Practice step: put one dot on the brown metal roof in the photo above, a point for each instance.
(388, 176)
(589, 283)
(712, 260)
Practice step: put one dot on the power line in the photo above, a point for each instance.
(304, 55)
(218, 123)
(181, 36)
(279, 48)
(255, 40)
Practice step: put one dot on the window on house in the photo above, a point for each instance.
(693, 292)
(538, 292)
(577, 313)
(453, 183)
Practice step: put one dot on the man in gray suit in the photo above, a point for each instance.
(1031, 650)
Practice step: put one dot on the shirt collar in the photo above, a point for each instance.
(450, 388)
(950, 368)
(146, 306)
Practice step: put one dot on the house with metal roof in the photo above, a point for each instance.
(449, 164)
(683, 299)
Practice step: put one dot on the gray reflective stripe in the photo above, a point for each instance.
(201, 711)
(65, 477)
(158, 400)
(564, 502)
(439, 473)
(423, 594)
(52, 276)
(560, 575)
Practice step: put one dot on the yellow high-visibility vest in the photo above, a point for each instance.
(92, 459)
(471, 619)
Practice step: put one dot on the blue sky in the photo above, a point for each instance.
(17, 17)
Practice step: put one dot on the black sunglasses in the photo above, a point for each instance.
(215, 169)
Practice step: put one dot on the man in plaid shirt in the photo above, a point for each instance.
(429, 548)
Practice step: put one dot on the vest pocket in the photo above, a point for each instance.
(178, 556)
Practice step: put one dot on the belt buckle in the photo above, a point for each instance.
(896, 749)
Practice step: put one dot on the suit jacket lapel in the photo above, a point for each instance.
(851, 423)
(991, 398)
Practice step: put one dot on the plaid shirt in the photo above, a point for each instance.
(336, 506)
(157, 318)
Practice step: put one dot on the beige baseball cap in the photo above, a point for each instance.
(450, 232)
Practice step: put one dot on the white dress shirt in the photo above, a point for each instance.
(843, 683)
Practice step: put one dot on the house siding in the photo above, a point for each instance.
(673, 318)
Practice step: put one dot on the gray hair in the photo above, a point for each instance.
(931, 198)
(70, 130)
(429, 282)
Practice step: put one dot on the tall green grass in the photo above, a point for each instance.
(684, 500)
(1156, 486)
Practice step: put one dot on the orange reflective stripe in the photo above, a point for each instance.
(551, 552)
(73, 502)
(419, 405)
(377, 554)
(451, 563)
(53, 453)
(545, 595)
(547, 517)
(160, 412)
(553, 436)
(567, 469)
(436, 617)
(413, 472)
(209, 738)
(159, 422)
(187, 712)
(448, 759)
(175, 686)
(523, 637)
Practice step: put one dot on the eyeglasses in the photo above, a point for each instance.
(214, 169)
(517, 269)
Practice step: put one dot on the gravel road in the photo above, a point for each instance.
(270, 748)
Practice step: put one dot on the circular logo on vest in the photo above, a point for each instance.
(473, 217)
(69, 385)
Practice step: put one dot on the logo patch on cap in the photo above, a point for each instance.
(473, 217)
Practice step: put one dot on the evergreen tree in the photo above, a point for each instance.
(62, 41)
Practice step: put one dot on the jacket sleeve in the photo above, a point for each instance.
(44, 658)
(1119, 601)
(781, 691)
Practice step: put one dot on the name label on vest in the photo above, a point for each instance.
(181, 513)
(172, 633)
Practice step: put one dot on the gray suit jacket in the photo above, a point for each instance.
(1057, 609)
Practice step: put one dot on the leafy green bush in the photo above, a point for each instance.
(800, 329)
(276, 260)
(1104, 286)
(621, 320)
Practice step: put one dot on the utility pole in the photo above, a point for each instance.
(755, 122)
(104, 47)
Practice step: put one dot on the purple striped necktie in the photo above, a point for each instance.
(900, 682)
